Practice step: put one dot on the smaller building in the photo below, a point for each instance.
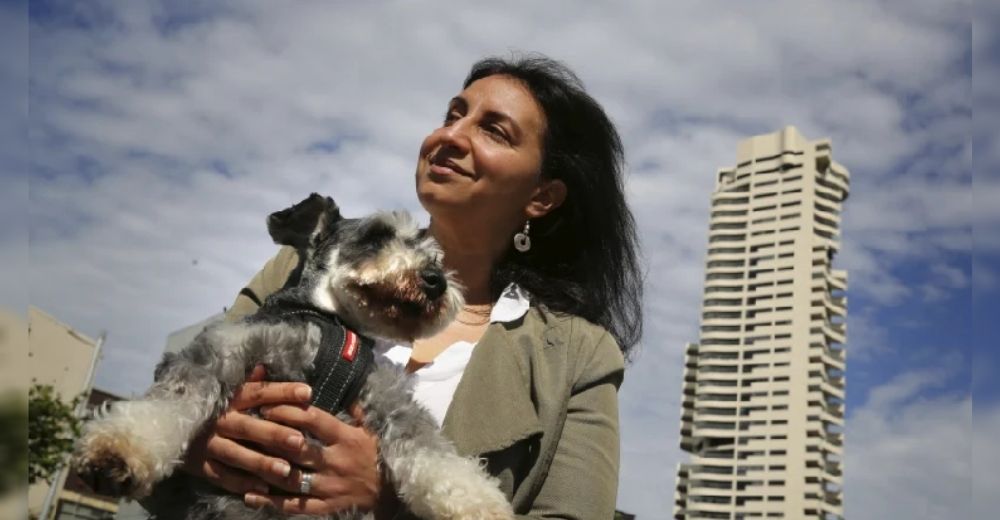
(62, 357)
(77, 500)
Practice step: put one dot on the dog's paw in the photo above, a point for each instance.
(108, 476)
(114, 465)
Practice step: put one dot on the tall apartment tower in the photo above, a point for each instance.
(763, 406)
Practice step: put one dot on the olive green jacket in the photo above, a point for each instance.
(538, 401)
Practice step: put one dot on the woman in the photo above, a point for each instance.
(523, 185)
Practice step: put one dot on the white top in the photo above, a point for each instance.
(435, 382)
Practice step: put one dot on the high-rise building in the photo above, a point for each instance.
(763, 392)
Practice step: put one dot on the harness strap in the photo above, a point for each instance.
(342, 363)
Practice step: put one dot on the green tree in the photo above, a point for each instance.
(52, 429)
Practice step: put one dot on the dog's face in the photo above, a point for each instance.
(379, 273)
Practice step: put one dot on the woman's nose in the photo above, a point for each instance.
(456, 135)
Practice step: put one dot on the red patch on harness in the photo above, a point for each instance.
(350, 346)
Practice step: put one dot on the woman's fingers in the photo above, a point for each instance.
(232, 480)
(297, 505)
(293, 482)
(234, 454)
(236, 425)
(276, 438)
(254, 394)
(323, 425)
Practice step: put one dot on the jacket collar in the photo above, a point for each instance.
(492, 408)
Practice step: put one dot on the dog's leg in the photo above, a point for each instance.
(431, 478)
(138, 443)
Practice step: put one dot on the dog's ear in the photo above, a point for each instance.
(305, 222)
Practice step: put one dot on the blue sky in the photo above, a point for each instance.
(161, 134)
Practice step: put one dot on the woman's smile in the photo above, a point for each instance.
(446, 168)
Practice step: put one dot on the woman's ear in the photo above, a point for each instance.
(549, 195)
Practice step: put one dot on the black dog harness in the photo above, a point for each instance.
(343, 361)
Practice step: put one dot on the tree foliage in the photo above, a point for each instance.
(52, 429)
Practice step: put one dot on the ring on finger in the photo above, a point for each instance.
(305, 482)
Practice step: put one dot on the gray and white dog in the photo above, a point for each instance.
(383, 278)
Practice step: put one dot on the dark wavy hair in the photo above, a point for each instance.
(584, 257)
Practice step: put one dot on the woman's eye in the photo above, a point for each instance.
(497, 133)
(450, 117)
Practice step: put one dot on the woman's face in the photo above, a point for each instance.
(484, 161)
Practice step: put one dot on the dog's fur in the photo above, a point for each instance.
(373, 273)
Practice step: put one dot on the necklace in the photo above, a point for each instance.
(482, 313)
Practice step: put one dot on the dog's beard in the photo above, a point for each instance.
(394, 309)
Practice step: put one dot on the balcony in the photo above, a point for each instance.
(835, 412)
(733, 252)
(832, 448)
(830, 194)
(716, 399)
(839, 276)
(832, 390)
(834, 332)
(716, 471)
(713, 429)
(838, 179)
(826, 212)
(834, 359)
(729, 218)
(724, 413)
(730, 199)
(837, 306)
(725, 236)
(833, 418)
(826, 230)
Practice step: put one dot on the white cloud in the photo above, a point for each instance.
(250, 86)
(985, 461)
(650, 437)
(907, 456)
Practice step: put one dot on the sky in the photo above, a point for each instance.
(160, 134)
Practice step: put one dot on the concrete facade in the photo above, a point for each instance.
(62, 357)
(763, 391)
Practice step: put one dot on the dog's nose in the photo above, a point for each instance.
(433, 283)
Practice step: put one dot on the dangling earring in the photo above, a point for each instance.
(522, 242)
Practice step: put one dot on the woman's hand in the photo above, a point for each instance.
(343, 460)
(219, 457)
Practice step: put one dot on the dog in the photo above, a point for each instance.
(381, 277)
